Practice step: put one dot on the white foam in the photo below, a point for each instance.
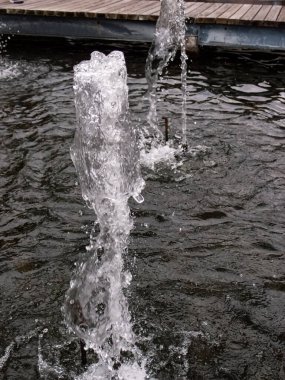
(44, 367)
(5, 357)
(125, 372)
(16, 342)
(9, 69)
(162, 154)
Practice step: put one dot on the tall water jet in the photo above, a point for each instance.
(106, 157)
(169, 37)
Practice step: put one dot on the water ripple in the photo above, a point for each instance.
(208, 285)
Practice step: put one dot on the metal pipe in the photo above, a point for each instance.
(83, 353)
(166, 129)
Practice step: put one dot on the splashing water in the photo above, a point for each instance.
(3, 38)
(7, 353)
(106, 157)
(18, 341)
(169, 37)
(184, 58)
(45, 369)
(8, 69)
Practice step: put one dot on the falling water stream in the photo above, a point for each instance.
(169, 37)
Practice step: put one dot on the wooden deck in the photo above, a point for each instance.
(148, 10)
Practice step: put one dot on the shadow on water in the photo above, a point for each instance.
(207, 251)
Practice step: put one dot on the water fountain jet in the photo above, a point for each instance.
(170, 36)
(106, 157)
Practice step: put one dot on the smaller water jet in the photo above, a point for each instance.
(169, 37)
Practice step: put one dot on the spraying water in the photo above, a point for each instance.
(169, 37)
(106, 157)
(8, 69)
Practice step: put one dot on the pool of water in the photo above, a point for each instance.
(207, 251)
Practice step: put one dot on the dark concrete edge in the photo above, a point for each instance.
(216, 35)
(99, 28)
(239, 36)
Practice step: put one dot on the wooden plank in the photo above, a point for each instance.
(38, 4)
(136, 7)
(5, 4)
(262, 13)
(220, 11)
(130, 6)
(107, 5)
(225, 17)
(189, 7)
(143, 7)
(54, 7)
(92, 9)
(28, 8)
(251, 13)
(281, 16)
(29, 4)
(140, 10)
(75, 8)
(240, 12)
(231, 11)
(153, 12)
(273, 13)
(209, 15)
(72, 8)
(75, 5)
(51, 4)
(197, 11)
(210, 10)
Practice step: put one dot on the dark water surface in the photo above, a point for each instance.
(208, 290)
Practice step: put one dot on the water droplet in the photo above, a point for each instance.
(138, 198)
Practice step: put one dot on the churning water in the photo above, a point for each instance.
(206, 252)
